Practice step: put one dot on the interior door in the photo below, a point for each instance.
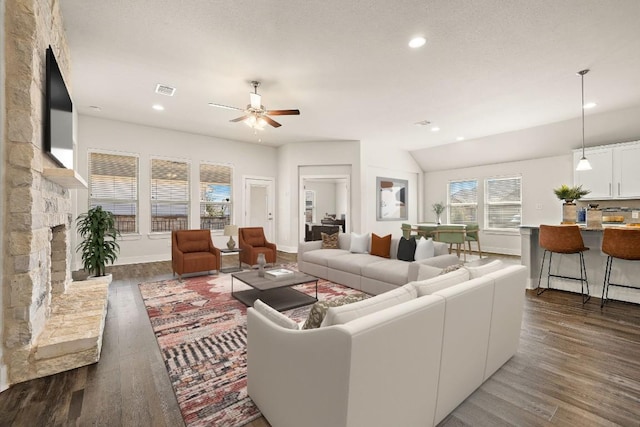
(259, 205)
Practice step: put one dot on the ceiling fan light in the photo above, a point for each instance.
(583, 165)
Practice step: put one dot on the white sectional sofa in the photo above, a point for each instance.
(369, 273)
(407, 365)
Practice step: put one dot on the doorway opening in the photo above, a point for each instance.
(325, 204)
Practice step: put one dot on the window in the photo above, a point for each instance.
(463, 201)
(113, 184)
(169, 195)
(216, 206)
(503, 202)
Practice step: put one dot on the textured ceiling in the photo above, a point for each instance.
(489, 66)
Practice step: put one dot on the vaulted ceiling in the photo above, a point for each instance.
(488, 66)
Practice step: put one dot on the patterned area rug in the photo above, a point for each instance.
(202, 335)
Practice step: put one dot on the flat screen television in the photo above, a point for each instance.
(58, 116)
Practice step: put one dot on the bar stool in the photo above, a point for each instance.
(563, 239)
(622, 244)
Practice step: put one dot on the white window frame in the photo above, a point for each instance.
(487, 204)
(135, 201)
(153, 201)
(228, 206)
(450, 205)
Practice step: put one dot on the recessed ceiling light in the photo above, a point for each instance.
(157, 107)
(435, 129)
(417, 42)
(460, 138)
(590, 105)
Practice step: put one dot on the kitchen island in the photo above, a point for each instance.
(624, 272)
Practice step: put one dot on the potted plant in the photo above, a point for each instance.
(98, 247)
(438, 208)
(569, 194)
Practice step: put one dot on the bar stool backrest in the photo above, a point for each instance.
(564, 239)
(621, 243)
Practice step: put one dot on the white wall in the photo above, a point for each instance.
(390, 163)
(116, 136)
(539, 203)
(341, 199)
(333, 157)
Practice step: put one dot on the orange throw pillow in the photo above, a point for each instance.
(381, 246)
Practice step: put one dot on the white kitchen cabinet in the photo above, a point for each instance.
(626, 167)
(600, 178)
(614, 174)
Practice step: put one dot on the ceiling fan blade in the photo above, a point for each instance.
(255, 100)
(211, 104)
(239, 119)
(284, 112)
(271, 121)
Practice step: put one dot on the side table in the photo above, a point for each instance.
(232, 269)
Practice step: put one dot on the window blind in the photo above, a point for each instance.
(463, 201)
(216, 205)
(169, 195)
(503, 200)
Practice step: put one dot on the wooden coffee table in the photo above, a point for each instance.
(279, 294)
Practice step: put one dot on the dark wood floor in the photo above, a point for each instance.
(576, 366)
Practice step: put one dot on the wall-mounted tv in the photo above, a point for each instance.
(58, 116)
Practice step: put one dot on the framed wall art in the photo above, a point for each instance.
(391, 199)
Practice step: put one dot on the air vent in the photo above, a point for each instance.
(423, 123)
(165, 90)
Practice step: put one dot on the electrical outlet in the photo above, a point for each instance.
(539, 206)
(634, 214)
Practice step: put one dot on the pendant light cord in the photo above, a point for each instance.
(582, 80)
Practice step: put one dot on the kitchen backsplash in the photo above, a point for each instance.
(623, 208)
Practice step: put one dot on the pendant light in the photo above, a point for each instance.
(583, 164)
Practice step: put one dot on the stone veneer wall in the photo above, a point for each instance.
(33, 206)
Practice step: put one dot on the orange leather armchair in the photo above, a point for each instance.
(252, 242)
(193, 251)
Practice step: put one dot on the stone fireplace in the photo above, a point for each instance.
(39, 336)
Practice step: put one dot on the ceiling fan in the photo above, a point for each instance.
(256, 116)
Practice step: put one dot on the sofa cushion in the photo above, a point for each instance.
(424, 249)
(438, 283)
(359, 243)
(190, 246)
(319, 309)
(349, 312)
(253, 237)
(406, 249)
(274, 315)
(381, 246)
(352, 263)
(390, 271)
(490, 267)
(321, 256)
(329, 241)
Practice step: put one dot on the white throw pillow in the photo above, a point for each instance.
(490, 267)
(438, 283)
(424, 249)
(359, 243)
(349, 312)
(274, 315)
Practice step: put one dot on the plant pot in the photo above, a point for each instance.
(569, 213)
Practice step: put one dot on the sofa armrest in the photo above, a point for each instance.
(308, 246)
(283, 362)
(440, 248)
(439, 261)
